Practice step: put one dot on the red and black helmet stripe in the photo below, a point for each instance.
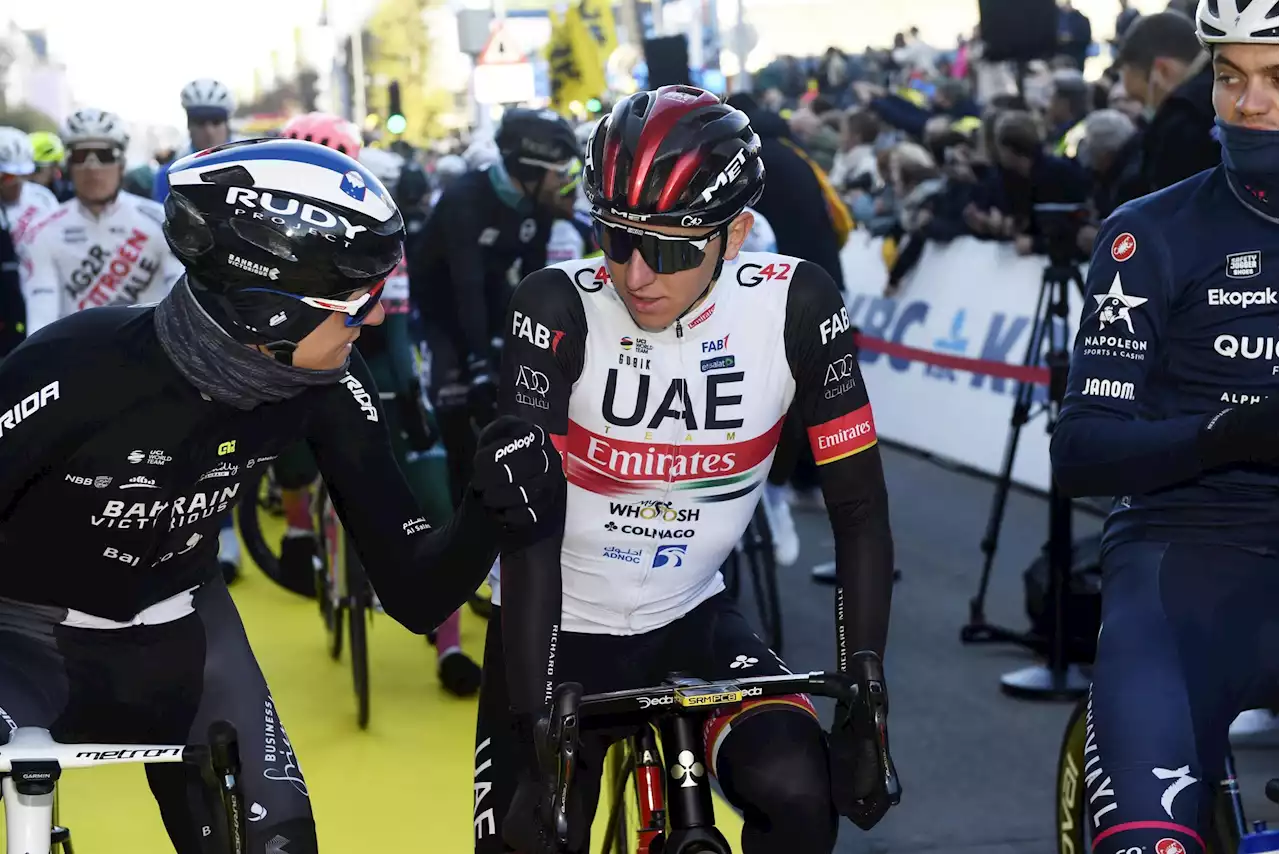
(675, 156)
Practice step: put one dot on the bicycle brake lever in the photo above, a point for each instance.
(562, 736)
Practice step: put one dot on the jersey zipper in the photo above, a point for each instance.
(679, 334)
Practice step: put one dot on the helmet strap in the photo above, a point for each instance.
(281, 351)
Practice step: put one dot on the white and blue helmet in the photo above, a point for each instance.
(261, 222)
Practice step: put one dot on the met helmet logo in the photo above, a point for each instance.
(728, 175)
(308, 213)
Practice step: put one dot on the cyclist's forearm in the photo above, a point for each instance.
(531, 608)
(858, 507)
(1098, 453)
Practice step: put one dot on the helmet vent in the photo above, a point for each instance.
(232, 176)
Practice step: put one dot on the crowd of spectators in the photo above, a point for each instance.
(925, 144)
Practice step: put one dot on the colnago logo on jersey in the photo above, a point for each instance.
(103, 277)
(607, 465)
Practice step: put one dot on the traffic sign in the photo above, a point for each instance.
(502, 48)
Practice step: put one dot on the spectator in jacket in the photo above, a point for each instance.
(1112, 152)
(793, 200)
(1069, 103)
(854, 169)
(1075, 34)
(1163, 65)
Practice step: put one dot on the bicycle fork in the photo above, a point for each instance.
(648, 782)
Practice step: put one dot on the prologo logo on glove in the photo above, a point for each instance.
(512, 447)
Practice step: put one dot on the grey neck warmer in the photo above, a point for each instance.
(221, 368)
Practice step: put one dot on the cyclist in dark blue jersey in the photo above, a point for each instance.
(1171, 408)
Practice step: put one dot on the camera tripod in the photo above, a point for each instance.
(1057, 679)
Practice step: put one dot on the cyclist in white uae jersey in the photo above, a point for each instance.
(663, 373)
(101, 248)
(21, 202)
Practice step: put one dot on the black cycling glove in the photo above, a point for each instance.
(1241, 434)
(864, 783)
(518, 477)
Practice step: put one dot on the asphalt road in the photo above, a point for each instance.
(977, 767)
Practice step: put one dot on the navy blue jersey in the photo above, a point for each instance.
(1179, 322)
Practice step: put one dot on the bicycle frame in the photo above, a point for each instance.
(678, 708)
(31, 763)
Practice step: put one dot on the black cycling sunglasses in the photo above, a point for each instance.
(93, 156)
(662, 252)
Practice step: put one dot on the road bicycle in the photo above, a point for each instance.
(753, 556)
(660, 792)
(1228, 826)
(31, 763)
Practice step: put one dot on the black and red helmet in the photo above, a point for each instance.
(676, 156)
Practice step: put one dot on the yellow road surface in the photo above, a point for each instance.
(403, 785)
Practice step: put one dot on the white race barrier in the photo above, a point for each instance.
(968, 298)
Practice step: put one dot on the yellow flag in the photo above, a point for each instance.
(581, 41)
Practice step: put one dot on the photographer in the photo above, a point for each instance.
(1050, 179)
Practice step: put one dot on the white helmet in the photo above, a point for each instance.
(451, 166)
(386, 166)
(481, 153)
(15, 152)
(1238, 22)
(207, 95)
(90, 125)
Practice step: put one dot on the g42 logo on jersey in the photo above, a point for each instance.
(834, 325)
(750, 275)
(524, 326)
(715, 346)
(591, 281)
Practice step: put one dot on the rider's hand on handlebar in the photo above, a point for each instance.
(529, 824)
(864, 783)
(518, 477)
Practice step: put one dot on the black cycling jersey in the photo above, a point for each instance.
(115, 473)
(461, 264)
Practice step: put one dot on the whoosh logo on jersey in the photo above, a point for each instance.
(116, 278)
(607, 465)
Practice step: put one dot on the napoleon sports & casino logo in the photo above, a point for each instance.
(606, 465)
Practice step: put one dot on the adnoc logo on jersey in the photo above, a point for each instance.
(670, 556)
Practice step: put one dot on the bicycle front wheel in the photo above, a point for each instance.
(257, 497)
(1070, 802)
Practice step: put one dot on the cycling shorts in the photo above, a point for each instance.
(1188, 641)
(161, 684)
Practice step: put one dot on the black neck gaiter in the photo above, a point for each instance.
(221, 368)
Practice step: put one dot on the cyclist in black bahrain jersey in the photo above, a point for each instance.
(1171, 407)
(664, 372)
(461, 267)
(127, 432)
